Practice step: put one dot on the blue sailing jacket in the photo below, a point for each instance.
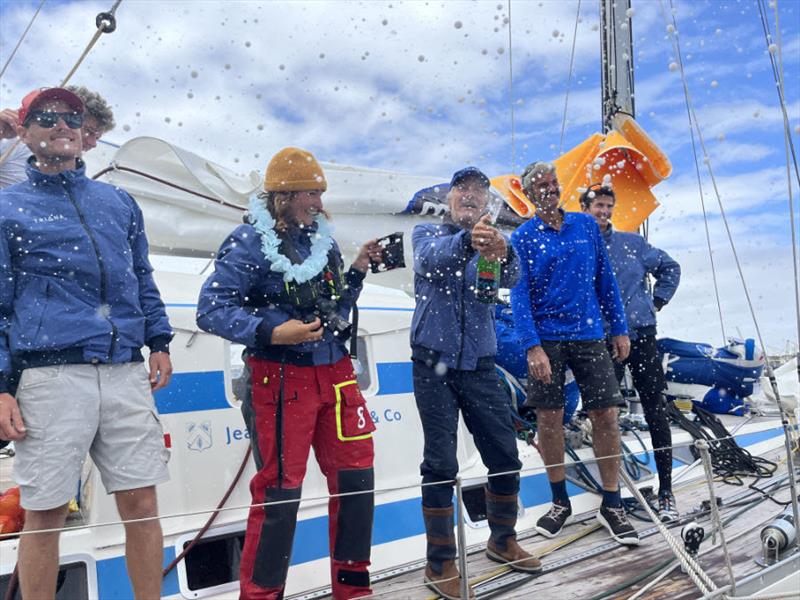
(566, 286)
(76, 284)
(243, 300)
(448, 318)
(632, 258)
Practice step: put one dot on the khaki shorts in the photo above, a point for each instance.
(69, 410)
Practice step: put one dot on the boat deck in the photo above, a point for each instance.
(593, 565)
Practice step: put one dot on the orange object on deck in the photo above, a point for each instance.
(626, 154)
(12, 515)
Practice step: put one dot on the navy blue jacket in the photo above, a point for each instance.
(76, 284)
(632, 258)
(449, 319)
(236, 301)
(567, 286)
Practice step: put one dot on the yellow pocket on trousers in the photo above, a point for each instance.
(352, 417)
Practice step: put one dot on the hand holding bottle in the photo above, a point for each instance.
(486, 240)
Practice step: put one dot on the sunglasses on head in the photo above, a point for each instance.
(49, 119)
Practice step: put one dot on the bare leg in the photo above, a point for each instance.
(144, 551)
(551, 441)
(605, 436)
(38, 554)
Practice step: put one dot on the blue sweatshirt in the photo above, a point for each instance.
(237, 300)
(632, 258)
(449, 319)
(76, 284)
(566, 286)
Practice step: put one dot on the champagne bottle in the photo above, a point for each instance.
(488, 279)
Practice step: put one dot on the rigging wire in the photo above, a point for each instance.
(22, 37)
(511, 95)
(790, 155)
(776, 74)
(679, 56)
(569, 79)
(768, 367)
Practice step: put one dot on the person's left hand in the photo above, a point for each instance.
(8, 124)
(160, 370)
(486, 240)
(620, 347)
(371, 251)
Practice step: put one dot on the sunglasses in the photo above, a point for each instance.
(49, 119)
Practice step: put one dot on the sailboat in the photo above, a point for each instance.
(190, 204)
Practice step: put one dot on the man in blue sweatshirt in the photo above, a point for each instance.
(565, 290)
(453, 349)
(633, 259)
(77, 303)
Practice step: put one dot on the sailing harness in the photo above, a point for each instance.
(316, 298)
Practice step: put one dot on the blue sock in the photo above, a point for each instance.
(612, 499)
(559, 489)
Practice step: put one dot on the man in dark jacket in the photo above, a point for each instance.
(77, 303)
(453, 349)
(633, 259)
(565, 291)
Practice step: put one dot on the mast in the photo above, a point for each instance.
(616, 46)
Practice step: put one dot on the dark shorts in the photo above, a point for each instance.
(593, 370)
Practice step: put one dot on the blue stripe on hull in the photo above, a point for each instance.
(187, 392)
(113, 582)
(394, 378)
(393, 521)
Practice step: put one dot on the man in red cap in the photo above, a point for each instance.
(77, 304)
(98, 119)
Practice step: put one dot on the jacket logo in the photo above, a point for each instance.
(50, 219)
(198, 436)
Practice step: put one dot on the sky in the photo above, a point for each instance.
(425, 87)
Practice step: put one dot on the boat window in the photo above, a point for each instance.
(72, 583)
(214, 562)
(236, 374)
(364, 377)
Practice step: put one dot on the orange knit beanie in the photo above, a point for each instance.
(294, 170)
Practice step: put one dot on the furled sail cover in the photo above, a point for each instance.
(191, 203)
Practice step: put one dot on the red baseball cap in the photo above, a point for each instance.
(40, 95)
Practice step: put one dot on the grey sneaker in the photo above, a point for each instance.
(667, 508)
(616, 521)
(552, 522)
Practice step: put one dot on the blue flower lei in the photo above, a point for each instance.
(270, 244)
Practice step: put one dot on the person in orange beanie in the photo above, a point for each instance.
(279, 288)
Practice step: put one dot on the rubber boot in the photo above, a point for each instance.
(447, 583)
(501, 512)
(441, 539)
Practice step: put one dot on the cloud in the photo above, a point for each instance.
(424, 87)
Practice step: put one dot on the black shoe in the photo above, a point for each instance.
(616, 521)
(552, 522)
(667, 508)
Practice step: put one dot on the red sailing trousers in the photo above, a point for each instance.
(293, 408)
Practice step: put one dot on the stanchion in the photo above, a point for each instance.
(462, 540)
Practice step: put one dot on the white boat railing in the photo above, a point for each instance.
(699, 577)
